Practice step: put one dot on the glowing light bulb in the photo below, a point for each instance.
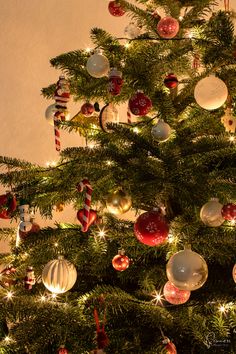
(101, 233)
(9, 295)
(171, 238)
(136, 130)
(231, 138)
(157, 297)
(91, 146)
(222, 308)
(109, 162)
(88, 50)
(56, 244)
(233, 222)
(54, 296)
(127, 45)
(7, 339)
(43, 298)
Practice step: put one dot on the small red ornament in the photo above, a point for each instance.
(62, 350)
(120, 262)
(87, 109)
(7, 205)
(168, 27)
(140, 104)
(91, 219)
(169, 346)
(171, 81)
(151, 228)
(229, 212)
(174, 295)
(29, 279)
(115, 9)
(115, 82)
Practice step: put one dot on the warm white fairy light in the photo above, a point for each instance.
(180, 18)
(171, 238)
(157, 297)
(109, 162)
(7, 339)
(231, 138)
(91, 146)
(222, 308)
(101, 233)
(43, 298)
(56, 244)
(88, 50)
(233, 222)
(51, 164)
(54, 296)
(9, 295)
(127, 44)
(136, 130)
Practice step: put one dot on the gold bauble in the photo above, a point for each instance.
(118, 202)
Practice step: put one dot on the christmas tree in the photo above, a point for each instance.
(148, 267)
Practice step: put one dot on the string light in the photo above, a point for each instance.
(56, 244)
(51, 164)
(222, 308)
(233, 222)
(54, 296)
(109, 162)
(91, 146)
(127, 44)
(9, 295)
(171, 238)
(136, 130)
(231, 138)
(157, 298)
(88, 50)
(101, 233)
(7, 339)
(43, 298)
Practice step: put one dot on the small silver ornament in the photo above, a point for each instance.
(161, 131)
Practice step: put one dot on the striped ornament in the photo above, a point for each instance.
(59, 275)
(87, 203)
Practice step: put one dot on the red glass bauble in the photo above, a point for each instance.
(115, 9)
(120, 262)
(92, 216)
(170, 348)
(151, 228)
(87, 109)
(174, 295)
(8, 205)
(168, 27)
(171, 81)
(140, 104)
(63, 350)
(229, 212)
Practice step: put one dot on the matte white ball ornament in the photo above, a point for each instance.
(161, 131)
(187, 270)
(210, 93)
(210, 213)
(51, 110)
(98, 65)
(59, 275)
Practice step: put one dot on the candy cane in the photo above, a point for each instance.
(88, 196)
(61, 96)
(129, 116)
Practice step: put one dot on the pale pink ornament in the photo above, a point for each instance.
(168, 27)
(174, 295)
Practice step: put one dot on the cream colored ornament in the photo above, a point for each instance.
(132, 30)
(59, 275)
(108, 114)
(229, 121)
(187, 270)
(98, 65)
(161, 131)
(210, 213)
(210, 93)
(234, 273)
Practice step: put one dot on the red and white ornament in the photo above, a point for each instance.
(116, 9)
(168, 27)
(25, 224)
(62, 97)
(140, 104)
(171, 81)
(87, 109)
(229, 121)
(174, 295)
(151, 228)
(51, 110)
(87, 215)
(169, 346)
(8, 205)
(62, 350)
(120, 262)
(115, 82)
(29, 279)
(229, 212)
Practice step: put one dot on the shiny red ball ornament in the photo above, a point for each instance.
(168, 27)
(120, 262)
(8, 205)
(115, 9)
(62, 350)
(229, 212)
(87, 109)
(174, 295)
(171, 81)
(151, 228)
(140, 104)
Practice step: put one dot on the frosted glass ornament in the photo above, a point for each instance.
(210, 213)
(51, 110)
(59, 275)
(161, 131)
(210, 93)
(98, 65)
(174, 295)
(132, 30)
(187, 270)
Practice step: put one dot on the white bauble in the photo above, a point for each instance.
(108, 114)
(51, 110)
(132, 30)
(187, 270)
(161, 131)
(98, 65)
(59, 275)
(210, 93)
(210, 213)
(25, 226)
